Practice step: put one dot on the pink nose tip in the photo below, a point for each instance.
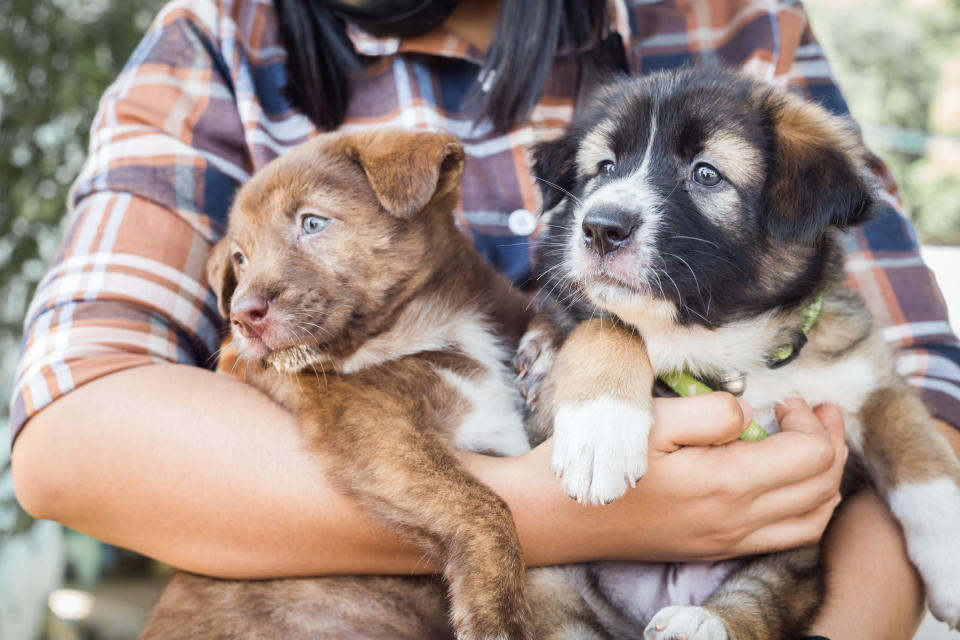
(250, 315)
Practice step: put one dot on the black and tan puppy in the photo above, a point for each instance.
(700, 211)
(357, 304)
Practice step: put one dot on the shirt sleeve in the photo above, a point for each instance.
(127, 286)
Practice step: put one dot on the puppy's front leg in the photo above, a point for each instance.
(916, 471)
(600, 394)
(387, 450)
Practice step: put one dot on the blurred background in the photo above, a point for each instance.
(902, 81)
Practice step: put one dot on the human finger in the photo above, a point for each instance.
(801, 450)
(791, 500)
(798, 531)
(703, 420)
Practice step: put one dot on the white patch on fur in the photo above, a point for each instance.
(691, 623)
(846, 383)
(600, 448)
(740, 346)
(495, 423)
(929, 513)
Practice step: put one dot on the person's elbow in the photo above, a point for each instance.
(38, 484)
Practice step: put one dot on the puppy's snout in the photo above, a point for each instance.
(250, 315)
(606, 230)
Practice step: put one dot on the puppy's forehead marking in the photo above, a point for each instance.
(645, 165)
(595, 147)
(735, 157)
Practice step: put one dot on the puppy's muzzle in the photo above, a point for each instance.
(606, 230)
(249, 314)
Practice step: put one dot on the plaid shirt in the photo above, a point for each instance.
(200, 107)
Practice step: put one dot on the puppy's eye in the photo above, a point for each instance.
(311, 224)
(239, 259)
(606, 167)
(706, 175)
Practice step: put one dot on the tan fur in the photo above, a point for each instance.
(383, 432)
(600, 358)
(742, 161)
(594, 149)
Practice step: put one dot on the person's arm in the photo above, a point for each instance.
(203, 472)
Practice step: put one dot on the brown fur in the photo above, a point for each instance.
(380, 416)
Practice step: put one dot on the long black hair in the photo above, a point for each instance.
(530, 34)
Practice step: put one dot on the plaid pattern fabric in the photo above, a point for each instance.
(200, 106)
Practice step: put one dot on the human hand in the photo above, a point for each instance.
(708, 496)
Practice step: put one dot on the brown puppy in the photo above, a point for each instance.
(357, 304)
(703, 211)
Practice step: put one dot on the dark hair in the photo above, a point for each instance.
(530, 33)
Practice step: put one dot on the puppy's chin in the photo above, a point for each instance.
(294, 358)
(642, 310)
(283, 358)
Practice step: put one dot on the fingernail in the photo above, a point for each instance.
(746, 410)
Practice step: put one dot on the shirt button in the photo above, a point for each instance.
(522, 222)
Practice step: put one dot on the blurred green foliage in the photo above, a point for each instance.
(56, 59)
(898, 64)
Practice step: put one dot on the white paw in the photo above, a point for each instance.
(930, 515)
(685, 623)
(600, 448)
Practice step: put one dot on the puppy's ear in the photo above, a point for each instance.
(220, 274)
(819, 175)
(555, 168)
(408, 169)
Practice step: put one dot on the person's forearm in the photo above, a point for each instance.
(199, 471)
(207, 474)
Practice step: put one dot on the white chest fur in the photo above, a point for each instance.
(745, 346)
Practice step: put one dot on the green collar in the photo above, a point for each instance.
(788, 352)
(684, 383)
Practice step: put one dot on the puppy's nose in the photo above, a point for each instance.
(250, 315)
(606, 230)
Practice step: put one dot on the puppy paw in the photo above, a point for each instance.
(940, 570)
(685, 623)
(504, 623)
(930, 515)
(534, 358)
(600, 448)
(489, 604)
